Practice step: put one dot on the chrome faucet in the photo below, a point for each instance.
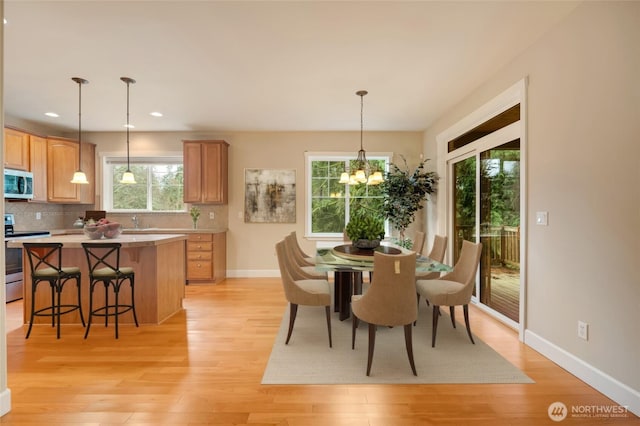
(134, 219)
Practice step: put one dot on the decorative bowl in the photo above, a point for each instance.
(93, 232)
(113, 231)
(366, 244)
(108, 230)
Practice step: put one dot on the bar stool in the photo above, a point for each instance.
(45, 261)
(104, 267)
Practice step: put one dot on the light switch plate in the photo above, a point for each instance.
(542, 218)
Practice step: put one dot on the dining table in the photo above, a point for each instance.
(348, 263)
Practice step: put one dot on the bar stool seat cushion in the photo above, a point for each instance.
(110, 272)
(51, 272)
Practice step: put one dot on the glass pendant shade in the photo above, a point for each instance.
(79, 177)
(344, 177)
(127, 177)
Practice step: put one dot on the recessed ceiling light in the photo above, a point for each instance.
(156, 114)
(51, 114)
(131, 126)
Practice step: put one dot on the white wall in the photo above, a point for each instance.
(583, 168)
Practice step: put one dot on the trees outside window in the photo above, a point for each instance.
(158, 188)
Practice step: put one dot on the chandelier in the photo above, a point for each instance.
(363, 172)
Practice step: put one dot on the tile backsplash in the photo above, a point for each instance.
(44, 217)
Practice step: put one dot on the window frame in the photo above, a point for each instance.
(108, 159)
(333, 156)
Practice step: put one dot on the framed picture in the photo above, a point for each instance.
(269, 196)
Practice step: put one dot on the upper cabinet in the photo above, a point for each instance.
(38, 166)
(205, 171)
(16, 149)
(62, 162)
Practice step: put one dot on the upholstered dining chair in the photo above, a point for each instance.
(308, 271)
(454, 288)
(418, 242)
(299, 290)
(390, 301)
(306, 259)
(437, 253)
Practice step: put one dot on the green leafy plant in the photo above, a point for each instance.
(363, 226)
(195, 214)
(404, 194)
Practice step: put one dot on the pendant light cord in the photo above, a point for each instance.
(79, 125)
(128, 168)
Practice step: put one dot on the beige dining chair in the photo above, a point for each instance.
(418, 242)
(301, 291)
(390, 301)
(454, 288)
(308, 260)
(308, 271)
(437, 253)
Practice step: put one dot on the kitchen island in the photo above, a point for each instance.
(158, 261)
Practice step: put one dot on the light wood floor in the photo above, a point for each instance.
(204, 366)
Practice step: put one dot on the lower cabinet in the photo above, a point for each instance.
(206, 257)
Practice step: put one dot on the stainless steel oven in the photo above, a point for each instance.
(13, 257)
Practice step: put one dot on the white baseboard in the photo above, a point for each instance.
(253, 273)
(5, 402)
(602, 382)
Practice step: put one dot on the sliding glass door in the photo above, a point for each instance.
(486, 207)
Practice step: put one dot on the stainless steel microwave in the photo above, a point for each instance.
(18, 184)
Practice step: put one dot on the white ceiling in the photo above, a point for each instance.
(216, 66)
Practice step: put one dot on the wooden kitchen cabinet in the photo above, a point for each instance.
(205, 171)
(38, 166)
(62, 162)
(16, 149)
(206, 257)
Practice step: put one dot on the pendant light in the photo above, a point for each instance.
(79, 176)
(127, 177)
(363, 172)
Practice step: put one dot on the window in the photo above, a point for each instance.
(158, 187)
(329, 202)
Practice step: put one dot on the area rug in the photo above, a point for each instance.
(307, 359)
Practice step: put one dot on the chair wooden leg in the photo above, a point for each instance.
(372, 344)
(408, 340)
(354, 326)
(436, 313)
(465, 309)
(452, 314)
(327, 310)
(418, 298)
(292, 319)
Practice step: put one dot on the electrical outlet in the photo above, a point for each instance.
(38, 216)
(583, 330)
(212, 215)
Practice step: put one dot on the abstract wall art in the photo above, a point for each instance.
(269, 196)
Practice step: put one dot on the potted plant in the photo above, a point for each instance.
(404, 192)
(365, 230)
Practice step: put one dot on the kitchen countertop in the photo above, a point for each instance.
(127, 240)
(73, 231)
